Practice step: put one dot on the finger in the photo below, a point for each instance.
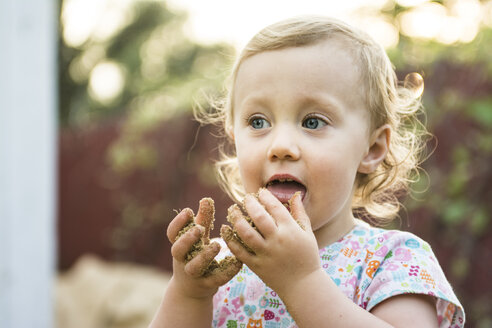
(197, 266)
(235, 246)
(299, 213)
(205, 217)
(234, 213)
(179, 222)
(228, 234)
(184, 244)
(262, 220)
(274, 207)
(249, 235)
(228, 268)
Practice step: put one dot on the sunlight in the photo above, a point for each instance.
(209, 24)
(99, 20)
(385, 33)
(411, 3)
(415, 83)
(487, 13)
(424, 21)
(459, 22)
(82, 65)
(106, 82)
(83, 19)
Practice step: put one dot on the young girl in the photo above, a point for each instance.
(317, 118)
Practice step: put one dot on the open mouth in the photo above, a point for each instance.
(284, 189)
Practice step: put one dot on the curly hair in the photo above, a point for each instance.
(388, 101)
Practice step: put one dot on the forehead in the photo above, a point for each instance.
(328, 67)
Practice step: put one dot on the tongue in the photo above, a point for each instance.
(285, 190)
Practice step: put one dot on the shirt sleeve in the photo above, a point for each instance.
(402, 263)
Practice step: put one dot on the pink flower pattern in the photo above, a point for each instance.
(369, 265)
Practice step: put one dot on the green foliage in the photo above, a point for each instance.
(164, 75)
(161, 68)
(481, 111)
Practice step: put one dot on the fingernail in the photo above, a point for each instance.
(226, 232)
(200, 228)
(188, 212)
(261, 192)
(249, 197)
(215, 246)
(233, 213)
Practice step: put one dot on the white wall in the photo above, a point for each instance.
(27, 162)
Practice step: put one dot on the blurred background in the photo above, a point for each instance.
(130, 154)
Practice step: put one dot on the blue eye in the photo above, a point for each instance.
(258, 123)
(313, 123)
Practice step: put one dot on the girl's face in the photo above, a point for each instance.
(301, 124)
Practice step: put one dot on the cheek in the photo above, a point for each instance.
(336, 184)
(249, 169)
(337, 169)
(332, 188)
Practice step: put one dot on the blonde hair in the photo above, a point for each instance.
(389, 102)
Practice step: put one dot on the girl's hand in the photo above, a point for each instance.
(188, 300)
(187, 276)
(285, 251)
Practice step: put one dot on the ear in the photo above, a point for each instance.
(378, 148)
(230, 132)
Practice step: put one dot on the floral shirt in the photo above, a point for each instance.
(368, 264)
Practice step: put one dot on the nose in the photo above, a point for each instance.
(284, 145)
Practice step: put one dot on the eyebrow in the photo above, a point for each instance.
(259, 99)
(253, 100)
(322, 101)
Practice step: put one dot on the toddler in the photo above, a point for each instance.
(323, 133)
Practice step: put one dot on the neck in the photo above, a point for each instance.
(334, 230)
